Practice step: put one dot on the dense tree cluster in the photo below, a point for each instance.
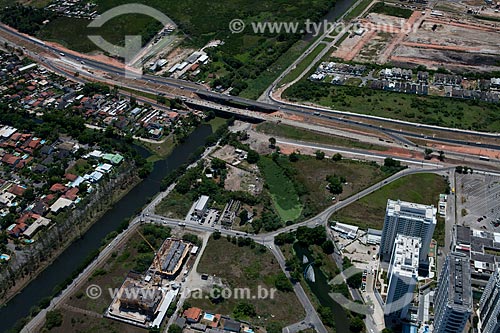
(25, 18)
(335, 184)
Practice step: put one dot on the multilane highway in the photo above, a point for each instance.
(189, 87)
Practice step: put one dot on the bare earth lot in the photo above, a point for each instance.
(453, 40)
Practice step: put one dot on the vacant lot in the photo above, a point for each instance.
(312, 174)
(432, 110)
(295, 133)
(369, 211)
(355, 12)
(241, 267)
(175, 205)
(382, 8)
(301, 67)
(281, 188)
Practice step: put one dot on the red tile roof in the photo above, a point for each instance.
(23, 163)
(49, 198)
(192, 314)
(71, 194)
(71, 177)
(10, 159)
(18, 229)
(17, 190)
(58, 188)
(34, 143)
(15, 136)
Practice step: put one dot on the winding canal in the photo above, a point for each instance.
(41, 287)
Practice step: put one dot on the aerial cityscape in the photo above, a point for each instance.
(239, 166)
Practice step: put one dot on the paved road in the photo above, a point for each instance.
(268, 238)
(190, 87)
(148, 216)
(267, 95)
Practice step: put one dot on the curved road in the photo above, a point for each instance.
(336, 115)
(267, 239)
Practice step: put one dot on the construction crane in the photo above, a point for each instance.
(156, 260)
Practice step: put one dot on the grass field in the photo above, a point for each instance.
(266, 78)
(488, 18)
(143, 94)
(175, 206)
(312, 174)
(355, 12)
(382, 8)
(295, 133)
(160, 150)
(431, 110)
(369, 211)
(301, 67)
(216, 123)
(242, 267)
(281, 188)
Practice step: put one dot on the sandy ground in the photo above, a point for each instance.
(241, 180)
(463, 43)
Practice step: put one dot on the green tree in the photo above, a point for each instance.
(282, 283)
(335, 184)
(391, 163)
(320, 155)
(356, 325)
(337, 157)
(53, 319)
(29, 194)
(253, 157)
(441, 156)
(355, 280)
(293, 157)
(216, 235)
(427, 153)
(272, 143)
(83, 187)
(328, 247)
(243, 216)
(174, 328)
(244, 310)
(326, 315)
(218, 164)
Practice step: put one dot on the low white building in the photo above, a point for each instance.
(60, 203)
(201, 206)
(347, 230)
(33, 228)
(373, 237)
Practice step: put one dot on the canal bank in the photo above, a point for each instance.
(62, 268)
(321, 289)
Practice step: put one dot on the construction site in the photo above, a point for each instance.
(462, 40)
(143, 299)
(170, 258)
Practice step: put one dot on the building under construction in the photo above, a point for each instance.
(171, 257)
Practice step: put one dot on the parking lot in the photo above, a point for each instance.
(478, 201)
